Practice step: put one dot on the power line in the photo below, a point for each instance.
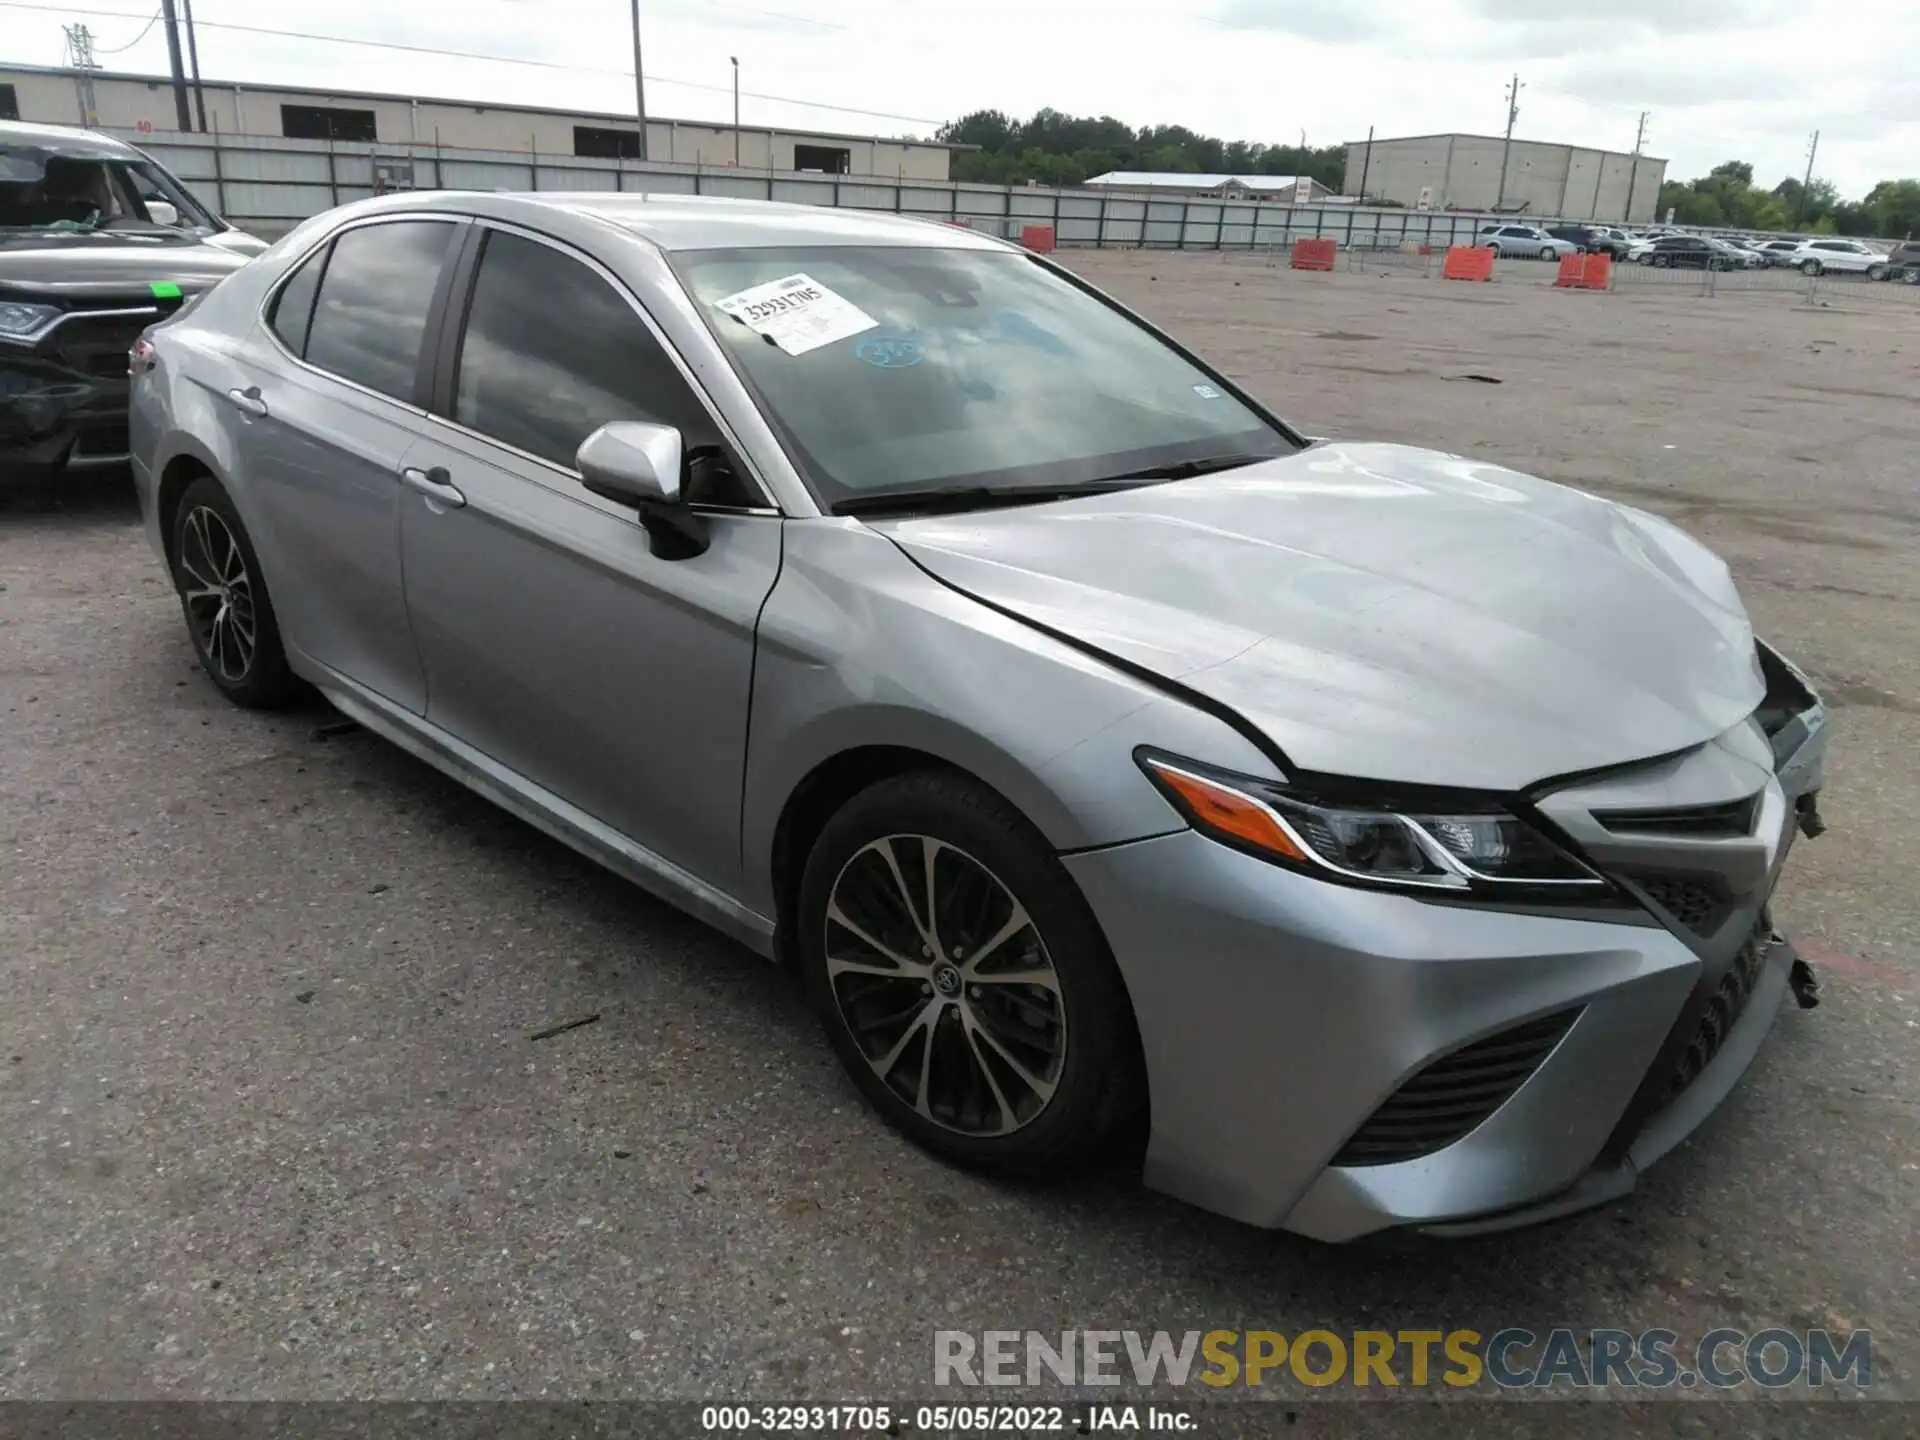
(116, 49)
(476, 55)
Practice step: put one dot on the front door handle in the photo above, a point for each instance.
(248, 400)
(435, 484)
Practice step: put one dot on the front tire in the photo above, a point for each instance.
(224, 598)
(1549, 254)
(1809, 267)
(963, 982)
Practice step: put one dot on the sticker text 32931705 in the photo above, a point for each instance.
(797, 313)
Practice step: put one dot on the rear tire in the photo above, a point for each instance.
(1031, 1077)
(1911, 275)
(224, 598)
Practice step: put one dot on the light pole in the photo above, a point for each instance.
(736, 110)
(639, 83)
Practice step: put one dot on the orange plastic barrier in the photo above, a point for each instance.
(1313, 254)
(1038, 238)
(1584, 272)
(1467, 262)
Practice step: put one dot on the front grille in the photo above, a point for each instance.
(1452, 1096)
(1691, 902)
(1728, 821)
(98, 346)
(1723, 1008)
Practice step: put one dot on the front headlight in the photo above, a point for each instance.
(1464, 846)
(20, 321)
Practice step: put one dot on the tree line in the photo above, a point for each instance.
(1057, 149)
(1054, 148)
(1726, 195)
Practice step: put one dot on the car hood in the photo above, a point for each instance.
(82, 267)
(1384, 612)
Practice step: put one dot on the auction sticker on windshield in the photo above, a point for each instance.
(797, 313)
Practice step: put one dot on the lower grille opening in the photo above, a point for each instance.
(1724, 1007)
(1693, 903)
(1453, 1095)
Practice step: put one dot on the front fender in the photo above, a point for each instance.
(857, 647)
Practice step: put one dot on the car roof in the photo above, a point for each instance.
(697, 222)
(64, 140)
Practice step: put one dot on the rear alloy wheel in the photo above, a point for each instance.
(965, 986)
(229, 614)
(1911, 275)
(1549, 253)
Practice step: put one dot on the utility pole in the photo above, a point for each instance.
(639, 83)
(1800, 203)
(1513, 114)
(193, 64)
(171, 20)
(1366, 163)
(80, 54)
(1633, 170)
(736, 114)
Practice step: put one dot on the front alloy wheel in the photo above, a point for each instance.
(963, 981)
(945, 985)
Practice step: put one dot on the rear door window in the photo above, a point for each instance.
(371, 315)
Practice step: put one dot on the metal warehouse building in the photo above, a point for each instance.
(1480, 172)
(144, 104)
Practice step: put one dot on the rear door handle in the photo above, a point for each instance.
(435, 484)
(248, 400)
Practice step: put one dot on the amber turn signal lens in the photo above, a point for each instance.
(1225, 810)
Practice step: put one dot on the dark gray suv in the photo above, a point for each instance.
(1902, 263)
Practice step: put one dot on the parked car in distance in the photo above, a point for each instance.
(1816, 257)
(85, 266)
(1528, 242)
(1590, 240)
(1386, 836)
(1696, 251)
(1902, 263)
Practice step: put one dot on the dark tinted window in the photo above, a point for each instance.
(9, 103)
(373, 304)
(830, 158)
(293, 306)
(552, 352)
(604, 144)
(326, 122)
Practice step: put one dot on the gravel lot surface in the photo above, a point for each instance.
(273, 1124)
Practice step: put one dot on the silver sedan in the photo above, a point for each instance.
(1384, 836)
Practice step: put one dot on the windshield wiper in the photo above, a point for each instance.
(975, 497)
(1187, 469)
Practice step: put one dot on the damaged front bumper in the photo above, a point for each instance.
(1296, 1032)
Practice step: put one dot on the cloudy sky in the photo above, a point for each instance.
(1723, 79)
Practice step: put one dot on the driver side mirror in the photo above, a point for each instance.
(634, 463)
(161, 212)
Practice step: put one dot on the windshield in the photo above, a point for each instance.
(49, 192)
(908, 368)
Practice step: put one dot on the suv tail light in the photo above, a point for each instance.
(141, 357)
